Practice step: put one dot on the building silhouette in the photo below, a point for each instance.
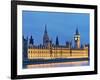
(49, 50)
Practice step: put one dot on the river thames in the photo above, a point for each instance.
(40, 63)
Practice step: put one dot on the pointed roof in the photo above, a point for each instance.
(45, 36)
(77, 32)
(56, 37)
(57, 40)
(45, 28)
(31, 40)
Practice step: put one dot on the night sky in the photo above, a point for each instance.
(58, 24)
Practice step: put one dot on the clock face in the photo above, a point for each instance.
(76, 38)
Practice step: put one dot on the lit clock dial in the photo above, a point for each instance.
(76, 38)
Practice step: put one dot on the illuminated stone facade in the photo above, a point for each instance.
(57, 52)
(48, 50)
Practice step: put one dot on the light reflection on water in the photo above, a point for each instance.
(65, 64)
(69, 65)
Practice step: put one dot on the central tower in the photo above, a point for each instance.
(45, 37)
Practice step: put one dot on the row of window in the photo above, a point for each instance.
(34, 56)
(48, 52)
(47, 55)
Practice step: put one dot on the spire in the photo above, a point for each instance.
(45, 36)
(57, 41)
(31, 40)
(25, 39)
(45, 29)
(77, 33)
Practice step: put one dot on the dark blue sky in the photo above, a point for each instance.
(58, 24)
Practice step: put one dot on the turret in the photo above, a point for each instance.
(31, 41)
(25, 47)
(57, 41)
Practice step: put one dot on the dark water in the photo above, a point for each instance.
(57, 60)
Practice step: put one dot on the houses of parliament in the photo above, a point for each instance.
(49, 50)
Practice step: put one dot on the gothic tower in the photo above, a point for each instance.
(57, 41)
(31, 41)
(25, 47)
(77, 39)
(45, 37)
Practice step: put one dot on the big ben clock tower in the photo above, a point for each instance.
(77, 39)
